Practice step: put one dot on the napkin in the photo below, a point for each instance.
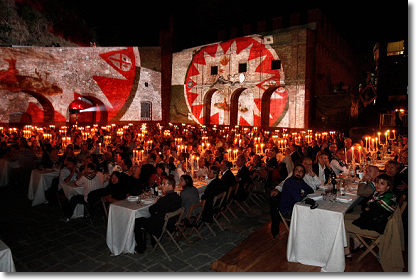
(344, 200)
(315, 196)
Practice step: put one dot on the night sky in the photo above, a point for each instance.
(137, 23)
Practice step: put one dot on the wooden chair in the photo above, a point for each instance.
(232, 191)
(216, 209)
(285, 222)
(246, 189)
(177, 216)
(192, 222)
(106, 206)
(375, 236)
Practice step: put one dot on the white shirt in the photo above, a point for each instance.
(63, 174)
(313, 182)
(337, 168)
(90, 185)
(321, 174)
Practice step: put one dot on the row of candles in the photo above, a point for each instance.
(371, 144)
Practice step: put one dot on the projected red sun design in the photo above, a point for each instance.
(221, 66)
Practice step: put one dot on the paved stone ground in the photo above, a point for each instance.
(40, 242)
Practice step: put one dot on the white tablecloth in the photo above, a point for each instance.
(40, 181)
(5, 168)
(317, 236)
(70, 190)
(200, 186)
(120, 227)
(6, 259)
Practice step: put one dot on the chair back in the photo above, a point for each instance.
(177, 215)
(195, 206)
(232, 191)
(218, 200)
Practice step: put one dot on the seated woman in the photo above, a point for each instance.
(189, 193)
(116, 189)
(375, 215)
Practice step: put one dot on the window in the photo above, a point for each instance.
(214, 70)
(242, 67)
(146, 111)
(395, 48)
(276, 64)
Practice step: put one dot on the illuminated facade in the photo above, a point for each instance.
(103, 84)
(269, 79)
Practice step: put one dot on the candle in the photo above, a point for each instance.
(352, 155)
(359, 154)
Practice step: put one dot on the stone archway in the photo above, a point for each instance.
(265, 107)
(90, 110)
(234, 106)
(207, 107)
(48, 109)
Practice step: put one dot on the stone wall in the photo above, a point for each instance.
(44, 82)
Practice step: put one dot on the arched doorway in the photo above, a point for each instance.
(207, 107)
(48, 109)
(265, 106)
(274, 106)
(234, 106)
(86, 110)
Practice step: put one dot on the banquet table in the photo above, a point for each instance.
(6, 259)
(40, 181)
(5, 169)
(317, 236)
(121, 221)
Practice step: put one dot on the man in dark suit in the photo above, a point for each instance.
(243, 177)
(170, 202)
(228, 179)
(214, 188)
(322, 168)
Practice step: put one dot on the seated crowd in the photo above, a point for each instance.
(287, 173)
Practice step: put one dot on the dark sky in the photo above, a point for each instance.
(137, 23)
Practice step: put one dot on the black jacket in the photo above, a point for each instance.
(168, 203)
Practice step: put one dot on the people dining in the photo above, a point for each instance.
(189, 194)
(375, 215)
(169, 202)
(293, 191)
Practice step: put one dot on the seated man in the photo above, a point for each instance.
(169, 202)
(294, 189)
(228, 179)
(90, 180)
(214, 188)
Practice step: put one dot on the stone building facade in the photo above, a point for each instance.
(268, 79)
(104, 84)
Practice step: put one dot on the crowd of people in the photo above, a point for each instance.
(120, 161)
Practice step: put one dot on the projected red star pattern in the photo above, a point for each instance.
(258, 57)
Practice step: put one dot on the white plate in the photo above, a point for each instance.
(315, 196)
(147, 201)
(133, 198)
(344, 200)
